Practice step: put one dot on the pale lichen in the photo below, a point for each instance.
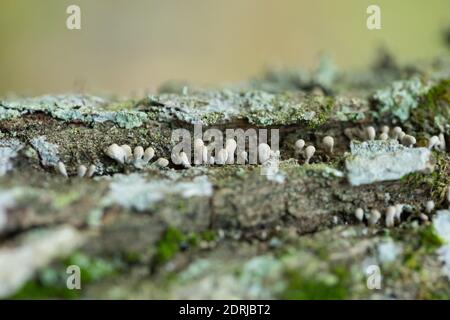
(400, 98)
(8, 151)
(48, 152)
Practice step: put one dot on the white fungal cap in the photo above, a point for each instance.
(138, 153)
(359, 214)
(62, 169)
(385, 129)
(370, 133)
(433, 142)
(398, 211)
(384, 136)
(396, 132)
(162, 162)
(149, 153)
(423, 217)
(299, 145)
(309, 152)
(442, 145)
(117, 153)
(91, 171)
(401, 135)
(221, 156)
(348, 132)
(230, 146)
(408, 140)
(390, 215)
(128, 154)
(429, 206)
(328, 142)
(211, 160)
(375, 215)
(184, 160)
(263, 152)
(81, 171)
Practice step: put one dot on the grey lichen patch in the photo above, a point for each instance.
(8, 151)
(48, 152)
(400, 98)
(6, 113)
(135, 192)
(257, 107)
(350, 109)
(72, 108)
(373, 161)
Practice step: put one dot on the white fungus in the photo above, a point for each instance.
(408, 140)
(127, 150)
(299, 145)
(81, 171)
(162, 162)
(263, 152)
(401, 135)
(398, 211)
(348, 132)
(138, 153)
(328, 142)
(384, 136)
(211, 160)
(359, 214)
(91, 171)
(396, 132)
(433, 142)
(309, 152)
(62, 169)
(375, 215)
(370, 133)
(117, 153)
(390, 215)
(149, 153)
(385, 129)
(423, 217)
(429, 206)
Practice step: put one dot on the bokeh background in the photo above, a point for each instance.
(131, 46)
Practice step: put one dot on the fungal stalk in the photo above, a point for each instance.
(309, 152)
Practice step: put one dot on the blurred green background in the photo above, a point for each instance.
(131, 46)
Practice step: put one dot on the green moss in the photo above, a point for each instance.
(93, 269)
(328, 286)
(433, 111)
(173, 240)
(429, 239)
(50, 282)
(434, 183)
